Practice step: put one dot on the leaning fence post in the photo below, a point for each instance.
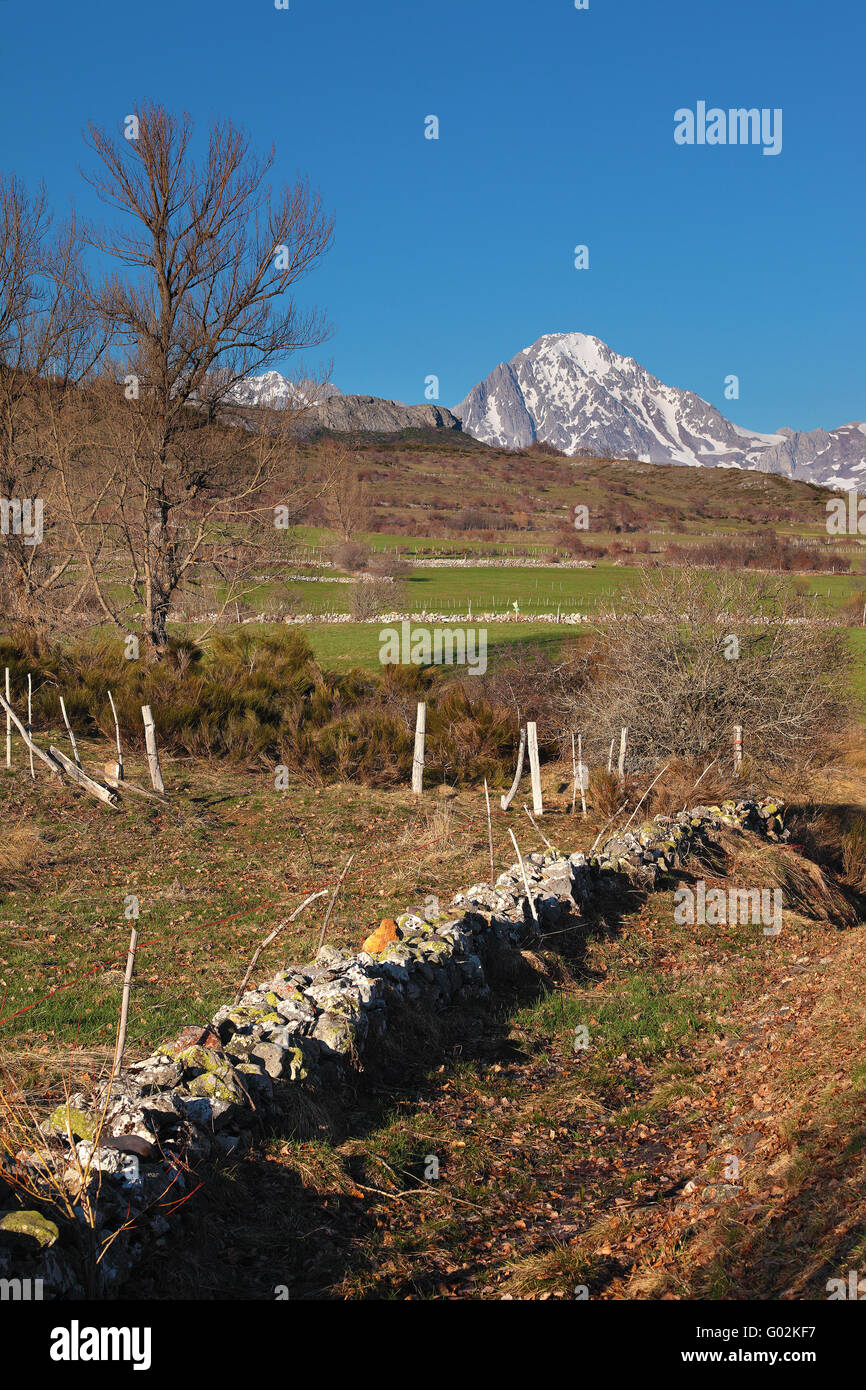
(623, 740)
(117, 736)
(738, 746)
(505, 801)
(70, 733)
(418, 754)
(124, 1006)
(152, 755)
(534, 769)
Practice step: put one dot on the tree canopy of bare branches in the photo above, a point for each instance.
(205, 256)
(49, 346)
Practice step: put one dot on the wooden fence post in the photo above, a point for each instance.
(738, 746)
(534, 769)
(581, 771)
(623, 741)
(124, 1006)
(70, 733)
(489, 833)
(152, 755)
(8, 723)
(78, 775)
(418, 755)
(505, 801)
(30, 722)
(117, 736)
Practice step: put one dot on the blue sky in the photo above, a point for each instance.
(556, 129)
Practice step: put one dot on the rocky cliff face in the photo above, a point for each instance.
(370, 413)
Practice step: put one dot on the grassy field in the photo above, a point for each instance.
(539, 589)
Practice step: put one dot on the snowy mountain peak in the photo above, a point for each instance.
(573, 391)
(276, 392)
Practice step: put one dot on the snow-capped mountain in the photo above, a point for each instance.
(572, 391)
(276, 392)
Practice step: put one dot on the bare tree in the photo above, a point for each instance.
(347, 500)
(49, 347)
(206, 256)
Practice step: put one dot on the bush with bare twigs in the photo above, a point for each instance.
(691, 654)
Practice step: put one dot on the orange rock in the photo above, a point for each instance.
(385, 933)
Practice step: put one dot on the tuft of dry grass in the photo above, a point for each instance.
(21, 849)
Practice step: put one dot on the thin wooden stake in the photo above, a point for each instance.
(525, 879)
(581, 770)
(418, 754)
(70, 733)
(643, 798)
(534, 769)
(535, 827)
(273, 936)
(573, 776)
(489, 831)
(30, 722)
(124, 1004)
(606, 824)
(152, 755)
(505, 801)
(610, 757)
(49, 761)
(331, 903)
(8, 723)
(117, 736)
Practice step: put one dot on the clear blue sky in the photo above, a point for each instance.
(556, 129)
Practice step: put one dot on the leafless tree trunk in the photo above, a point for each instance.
(206, 256)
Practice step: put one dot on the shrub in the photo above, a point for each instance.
(369, 598)
(351, 556)
(666, 677)
(388, 566)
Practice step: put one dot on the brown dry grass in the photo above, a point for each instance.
(21, 849)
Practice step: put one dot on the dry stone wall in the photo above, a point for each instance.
(204, 1094)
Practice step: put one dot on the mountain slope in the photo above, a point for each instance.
(572, 391)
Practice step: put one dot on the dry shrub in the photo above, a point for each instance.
(670, 674)
(369, 598)
(688, 782)
(835, 838)
(388, 566)
(606, 792)
(351, 556)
